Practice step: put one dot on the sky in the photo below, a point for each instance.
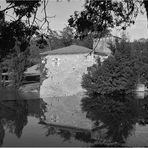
(62, 11)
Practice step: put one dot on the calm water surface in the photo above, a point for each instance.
(115, 123)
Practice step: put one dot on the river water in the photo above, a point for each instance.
(22, 123)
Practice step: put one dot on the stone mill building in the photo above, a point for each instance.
(63, 69)
(61, 74)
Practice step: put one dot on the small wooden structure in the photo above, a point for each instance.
(141, 91)
(32, 74)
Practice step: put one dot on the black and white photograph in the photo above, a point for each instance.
(73, 73)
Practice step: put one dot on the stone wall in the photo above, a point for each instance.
(62, 74)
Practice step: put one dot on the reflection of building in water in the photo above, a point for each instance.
(80, 134)
(68, 133)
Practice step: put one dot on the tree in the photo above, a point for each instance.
(86, 42)
(99, 15)
(110, 78)
(55, 40)
(67, 36)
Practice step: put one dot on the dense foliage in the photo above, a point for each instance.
(121, 72)
(15, 38)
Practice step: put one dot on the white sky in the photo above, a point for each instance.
(62, 10)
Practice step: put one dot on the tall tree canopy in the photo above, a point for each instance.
(99, 15)
(16, 28)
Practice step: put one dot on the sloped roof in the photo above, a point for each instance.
(73, 49)
(33, 70)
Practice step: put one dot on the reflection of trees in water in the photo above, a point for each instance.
(117, 114)
(14, 114)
